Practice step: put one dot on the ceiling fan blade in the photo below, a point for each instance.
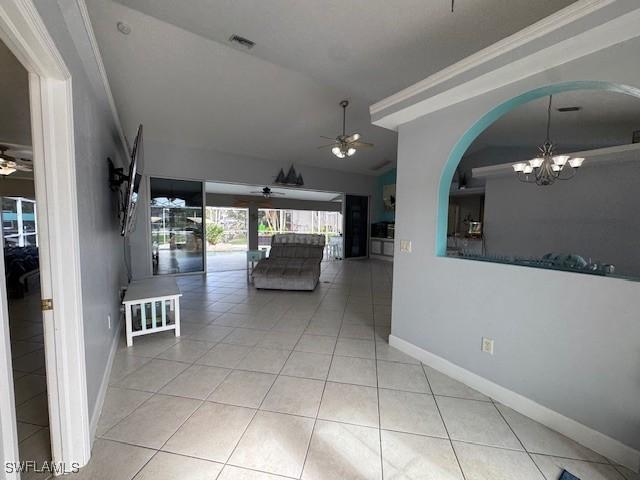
(328, 138)
(361, 144)
(354, 137)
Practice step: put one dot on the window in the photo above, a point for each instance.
(271, 220)
(19, 227)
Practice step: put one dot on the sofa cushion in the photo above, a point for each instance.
(293, 263)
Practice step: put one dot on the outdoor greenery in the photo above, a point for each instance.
(214, 233)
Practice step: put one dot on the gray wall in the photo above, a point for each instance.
(594, 215)
(568, 341)
(15, 123)
(174, 161)
(96, 138)
(17, 187)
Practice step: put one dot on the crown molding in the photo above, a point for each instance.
(86, 20)
(552, 23)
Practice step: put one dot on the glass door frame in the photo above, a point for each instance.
(203, 194)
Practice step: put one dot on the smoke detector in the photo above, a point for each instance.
(242, 42)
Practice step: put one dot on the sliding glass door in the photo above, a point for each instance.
(176, 226)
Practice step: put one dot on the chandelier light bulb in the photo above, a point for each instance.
(561, 160)
(350, 151)
(536, 162)
(556, 168)
(337, 152)
(527, 169)
(576, 162)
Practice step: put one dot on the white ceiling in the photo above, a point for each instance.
(177, 74)
(287, 193)
(605, 119)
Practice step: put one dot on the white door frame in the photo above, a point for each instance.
(51, 103)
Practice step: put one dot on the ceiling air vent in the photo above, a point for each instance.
(241, 41)
(569, 109)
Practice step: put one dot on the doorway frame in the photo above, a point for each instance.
(51, 105)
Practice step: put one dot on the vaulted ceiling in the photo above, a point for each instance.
(177, 73)
(604, 119)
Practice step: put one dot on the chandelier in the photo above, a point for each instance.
(547, 168)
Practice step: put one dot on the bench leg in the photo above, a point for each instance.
(127, 313)
(177, 316)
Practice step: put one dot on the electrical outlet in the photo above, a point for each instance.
(487, 345)
(405, 246)
(109, 321)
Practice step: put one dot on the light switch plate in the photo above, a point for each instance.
(405, 246)
(487, 345)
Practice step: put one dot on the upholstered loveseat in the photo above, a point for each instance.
(293, 263)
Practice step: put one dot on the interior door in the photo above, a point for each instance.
(356, 226)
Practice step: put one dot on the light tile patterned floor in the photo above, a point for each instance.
(272, 385)
(30, 384)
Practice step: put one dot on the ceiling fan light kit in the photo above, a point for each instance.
(7, 170)
(547, 168)
(266, 192)
(10, 164)
(345, 145)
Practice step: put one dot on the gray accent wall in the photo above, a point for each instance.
(595, 215)
(96, 138)
(567, 341)
(15, 122)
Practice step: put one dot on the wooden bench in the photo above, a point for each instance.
(157, 303)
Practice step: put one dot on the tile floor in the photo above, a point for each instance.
(273, 385)
(30, 384)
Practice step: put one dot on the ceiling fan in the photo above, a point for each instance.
(345, 145)
(266, 192)
(9, 164)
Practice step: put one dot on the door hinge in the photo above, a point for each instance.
(47, 304)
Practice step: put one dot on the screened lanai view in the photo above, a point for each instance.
(239, 218)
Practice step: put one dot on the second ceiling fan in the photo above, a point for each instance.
(345, 145)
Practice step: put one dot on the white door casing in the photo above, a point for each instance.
(50, 85)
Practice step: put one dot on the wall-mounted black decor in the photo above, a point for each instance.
(291, 179)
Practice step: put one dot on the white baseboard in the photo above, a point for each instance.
(104, 385)
(590, 438)
(386, 258)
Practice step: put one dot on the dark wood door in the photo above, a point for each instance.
(356, 226)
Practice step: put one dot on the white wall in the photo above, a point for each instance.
(96, 138)
(173, 161)
(568, 341)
